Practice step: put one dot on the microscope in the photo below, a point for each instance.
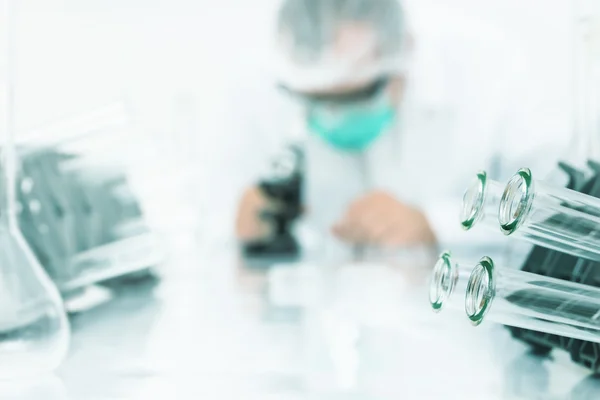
(283, 185)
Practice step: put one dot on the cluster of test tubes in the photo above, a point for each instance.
(553, 298)
(556, 218)
(77, 208)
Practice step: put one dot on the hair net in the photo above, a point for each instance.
(322, 43)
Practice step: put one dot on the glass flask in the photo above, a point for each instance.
(34, 330)
(481, 202)
(586, 80)
(584, 144)
(553, 217)
(78, 207)
(447, 278)
(530, 301)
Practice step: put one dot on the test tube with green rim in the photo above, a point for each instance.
(481, 202)
(529, 301)
(553, 217)
(448, 283)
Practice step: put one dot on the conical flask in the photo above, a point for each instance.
(34, 330)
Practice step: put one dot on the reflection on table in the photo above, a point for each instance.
(213, 328)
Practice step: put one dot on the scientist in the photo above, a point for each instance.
(395, 121)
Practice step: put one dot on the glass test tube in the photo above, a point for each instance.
(448, 283)
(553, 217)
(481, 202)
(525, 300)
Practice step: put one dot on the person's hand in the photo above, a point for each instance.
(380, 219)
(249, 225)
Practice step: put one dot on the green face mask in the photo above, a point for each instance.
(353, 129)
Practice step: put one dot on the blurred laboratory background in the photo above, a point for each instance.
(204, 200)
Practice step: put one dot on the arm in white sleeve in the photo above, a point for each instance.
(524, 134)
(533, 129)
(443, 212)
(253, 130)
(526, 129)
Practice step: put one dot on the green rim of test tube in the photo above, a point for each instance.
(437, 296)
(476, 210)
(488, 269)
(525, 175)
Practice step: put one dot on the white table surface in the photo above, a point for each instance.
(212, 329)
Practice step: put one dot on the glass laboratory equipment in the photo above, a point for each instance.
(586, 78)
(78, 208)
(585, 139)
(480, 202)
(448, 282)
(34, 331)
(531, 301)
(553, 217)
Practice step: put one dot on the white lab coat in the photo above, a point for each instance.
(467, 107)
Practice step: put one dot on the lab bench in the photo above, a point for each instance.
(213, 330)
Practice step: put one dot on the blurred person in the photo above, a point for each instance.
(394, 118)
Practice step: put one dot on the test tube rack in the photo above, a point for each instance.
(65, 216)
(555, 264)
